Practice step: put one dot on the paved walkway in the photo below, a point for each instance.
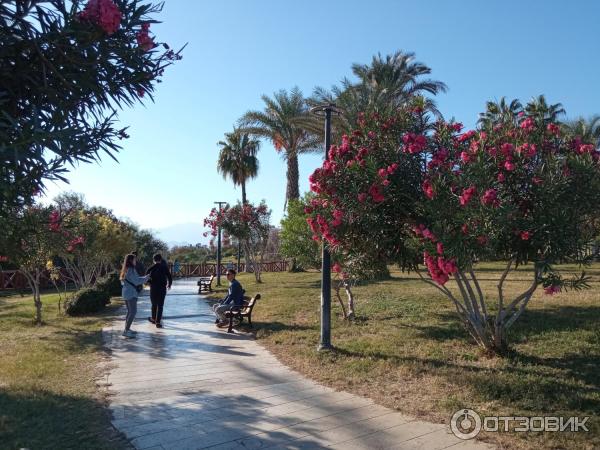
(191, 386)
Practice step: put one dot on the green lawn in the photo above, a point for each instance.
(48, 393)
(408, 351)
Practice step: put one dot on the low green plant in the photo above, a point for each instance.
(86, 301)
(110, 284)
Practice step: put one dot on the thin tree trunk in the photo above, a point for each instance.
(337, 288)
(293, 189)
(244, 199)
(37, 299)
(350, 296)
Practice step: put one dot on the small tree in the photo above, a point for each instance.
(36, 239)
(249, 224)
(296, 237)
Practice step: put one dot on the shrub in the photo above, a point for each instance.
(87, 300)
(110, 284)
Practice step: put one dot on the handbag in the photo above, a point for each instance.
(138, 287)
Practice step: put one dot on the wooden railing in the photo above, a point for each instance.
(208, 269)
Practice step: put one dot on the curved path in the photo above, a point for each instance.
(191, 386)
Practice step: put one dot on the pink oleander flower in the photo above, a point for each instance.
(553, 129)
(383, 173)
(376, 194)
(465, 157)
(143, 38)
(337, 268)
(466, 195)
(371, 135)
(466, 136)
(362, 197)
(103, 13)
(551, 290)
(501, 177)
(509, 166)
(525, 235)
(585, 148)
(528, 124)
(490, 198)
(507, 149)
(428, 189)
(440, 248)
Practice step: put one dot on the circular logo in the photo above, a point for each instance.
(465, 424)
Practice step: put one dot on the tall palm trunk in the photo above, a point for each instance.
(239, 249)
(244, 200)
(293, 190)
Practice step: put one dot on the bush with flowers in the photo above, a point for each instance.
(401, 192)
(247, 223)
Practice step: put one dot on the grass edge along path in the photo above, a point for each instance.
(49, 375)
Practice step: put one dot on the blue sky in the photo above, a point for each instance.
(240, 49)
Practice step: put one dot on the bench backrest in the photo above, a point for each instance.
(251, 303)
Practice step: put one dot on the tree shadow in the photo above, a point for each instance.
(40, 419)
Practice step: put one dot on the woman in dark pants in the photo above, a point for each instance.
(160, 281)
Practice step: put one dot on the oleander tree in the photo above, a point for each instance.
(68, 67)
(104, 240)
(39, 237)
(367, 191)
(520, 191)
(247, 223)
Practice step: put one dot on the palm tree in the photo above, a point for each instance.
(588, 130)
(237, 158)
(383, 85)
(500, 112)
(538, 107)
(280, 122)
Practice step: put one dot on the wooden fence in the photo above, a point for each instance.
(15, 280)
(208, 269)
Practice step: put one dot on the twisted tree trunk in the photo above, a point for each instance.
(488, 330)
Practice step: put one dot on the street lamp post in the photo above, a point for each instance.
(325, 343)
(218, 269)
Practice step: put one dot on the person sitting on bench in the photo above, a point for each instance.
(235, 297)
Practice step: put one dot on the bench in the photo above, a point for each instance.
(239, 312)
(205, 284)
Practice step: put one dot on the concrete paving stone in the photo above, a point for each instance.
(164, 438)
(191, 386)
